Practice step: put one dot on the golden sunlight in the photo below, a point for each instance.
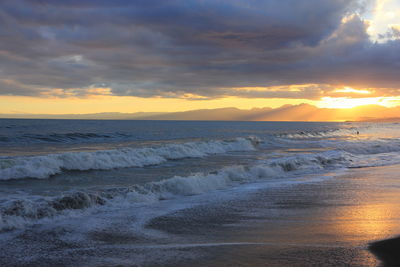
(346, 102)
(106, 103)
(352, 90)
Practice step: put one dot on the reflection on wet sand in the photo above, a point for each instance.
(373, 211)
(329, 223)
(367, 222)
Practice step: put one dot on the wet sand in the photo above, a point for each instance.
(328, 223)
(318, 224)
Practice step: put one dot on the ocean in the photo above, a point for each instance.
(108, 193)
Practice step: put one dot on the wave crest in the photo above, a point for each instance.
(20, 211)
(42, 167)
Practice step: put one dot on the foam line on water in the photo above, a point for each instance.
(44, 166)
(16, 212)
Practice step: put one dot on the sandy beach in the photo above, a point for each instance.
(328, 223)
(325, 224)
(317, 224)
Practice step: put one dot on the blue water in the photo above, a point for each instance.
(29, 136)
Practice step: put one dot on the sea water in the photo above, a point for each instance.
(84, 176)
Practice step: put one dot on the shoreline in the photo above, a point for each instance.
(329, 224)
(326, 223)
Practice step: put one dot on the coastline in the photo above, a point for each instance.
(330, 223)
(323, 223)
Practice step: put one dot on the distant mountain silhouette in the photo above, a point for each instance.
(302, 112)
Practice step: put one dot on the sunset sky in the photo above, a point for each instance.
(90, 56)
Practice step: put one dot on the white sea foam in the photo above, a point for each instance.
(19, 211)
(234, 175)
(361, 146)
(367, 147)
(44, 166)
(16, 212)
(365, 131)
(321, 134)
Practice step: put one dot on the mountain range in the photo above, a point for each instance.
(302, 112)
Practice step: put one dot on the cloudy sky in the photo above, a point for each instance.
(86, 56)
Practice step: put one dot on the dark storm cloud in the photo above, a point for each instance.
(176, 47)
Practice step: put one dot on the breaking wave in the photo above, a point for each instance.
(367, 147)
(20, 211)
(44, 166)
(351, 131)
(339, 132)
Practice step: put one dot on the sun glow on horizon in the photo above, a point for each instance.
(347, 102)
(129, 104)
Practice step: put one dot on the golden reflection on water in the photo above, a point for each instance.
(377, 219)
(371, 211)
(362, 224)
(366, 222)
(365, 207)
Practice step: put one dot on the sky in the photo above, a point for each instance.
(89, 56)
